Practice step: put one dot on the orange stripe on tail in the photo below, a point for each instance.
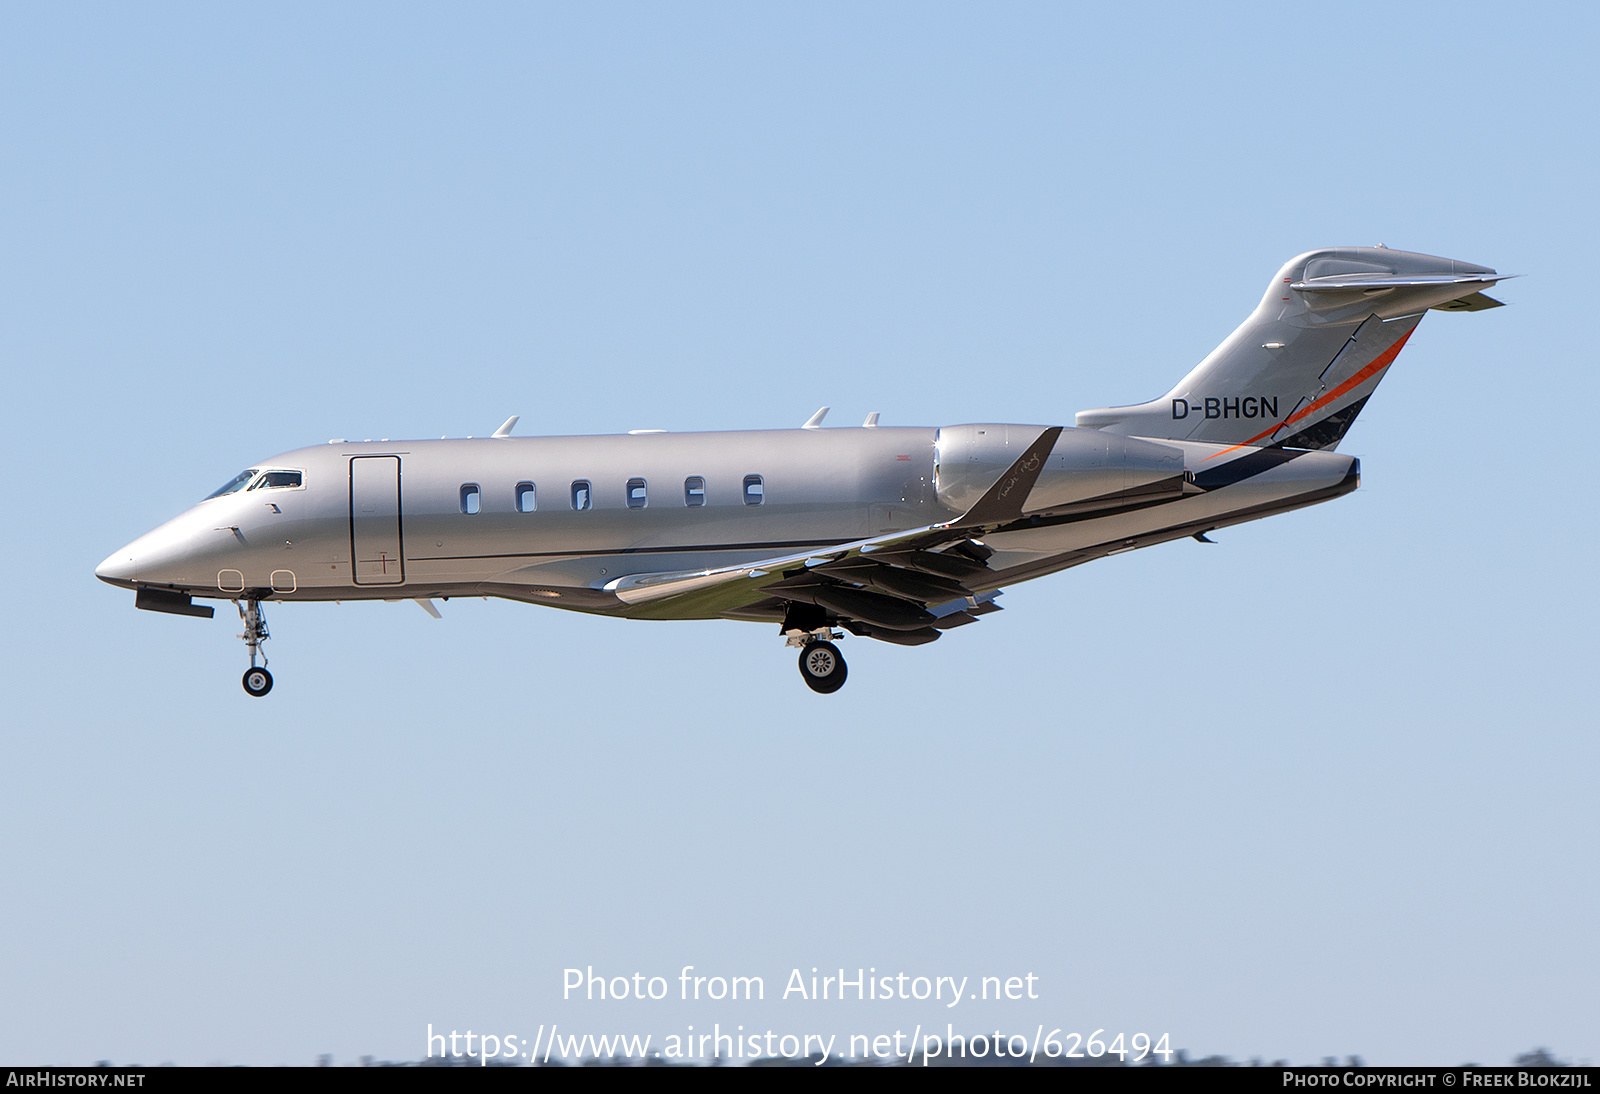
(1383, 361)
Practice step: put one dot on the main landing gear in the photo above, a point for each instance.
(822, 667)
(257, 680)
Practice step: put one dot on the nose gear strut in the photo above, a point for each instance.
(257, 680)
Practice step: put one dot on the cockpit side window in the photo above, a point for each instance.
(237, 483)
(278, 478)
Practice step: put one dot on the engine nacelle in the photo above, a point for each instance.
(1086, 467)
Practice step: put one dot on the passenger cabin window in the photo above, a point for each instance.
(471, 502)
(638, 493)
(582, 494)
(237, 483)
(277, 478)
(527, 498)
(754, 491)
(694, 491)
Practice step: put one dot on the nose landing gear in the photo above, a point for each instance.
(257, 680)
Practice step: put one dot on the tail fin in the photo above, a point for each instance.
(1298, 371)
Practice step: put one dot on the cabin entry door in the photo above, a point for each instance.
(375, 537)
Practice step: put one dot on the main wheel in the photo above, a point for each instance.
(822, 667)
(258, 682)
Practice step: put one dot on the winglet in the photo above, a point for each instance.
(1003, 501)
(871, 422)
(505, 430)
(815, 421)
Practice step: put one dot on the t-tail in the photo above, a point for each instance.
(1298, 371)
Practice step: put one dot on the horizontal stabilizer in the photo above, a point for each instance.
(1376, 283)
(1476, 302)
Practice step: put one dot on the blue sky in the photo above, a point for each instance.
(1343, 803)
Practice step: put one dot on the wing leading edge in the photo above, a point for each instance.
(904, 587)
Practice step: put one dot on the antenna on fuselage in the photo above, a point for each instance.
(871, 422)
(815, 421)
(505, 430)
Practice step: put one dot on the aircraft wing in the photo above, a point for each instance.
(903, 587)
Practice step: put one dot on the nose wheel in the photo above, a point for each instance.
(257, 680)
(822, 667)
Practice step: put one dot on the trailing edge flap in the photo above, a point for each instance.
(1000, 504)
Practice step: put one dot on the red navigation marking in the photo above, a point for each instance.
(906, 459)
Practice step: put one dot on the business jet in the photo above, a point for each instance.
(894, 533)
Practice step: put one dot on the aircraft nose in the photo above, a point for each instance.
(118, 568)
(179, 552)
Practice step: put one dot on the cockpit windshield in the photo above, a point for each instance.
(237, 483)
(278, 478)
